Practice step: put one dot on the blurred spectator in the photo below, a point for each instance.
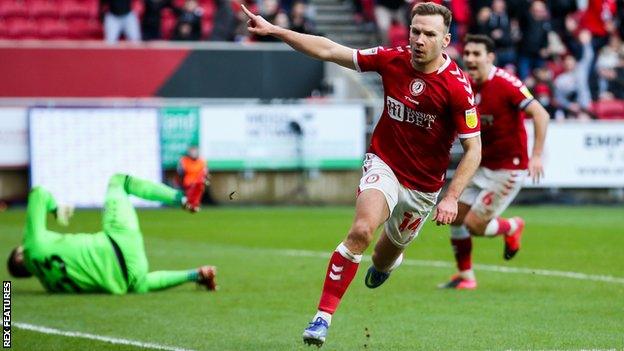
(606, 64)
(150, 23)
(496, 24)
(532, 48)
(269, 10)
(120, 19)
(543, 89)
(192, 168)
(385, 12)
(559, 10)
(461, 18)
(572, 86)
(599, 19)
(299, 21)
(225, 22)
(398, 35)
(281, 19)
(620, 17)
(188, 27)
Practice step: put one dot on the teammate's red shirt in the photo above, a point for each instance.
(501, 100)
(422, 115)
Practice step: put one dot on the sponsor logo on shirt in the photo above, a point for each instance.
(417, 86)
(398, 111)
(471, 117)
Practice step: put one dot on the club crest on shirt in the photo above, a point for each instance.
(471, 118)
(417, 86)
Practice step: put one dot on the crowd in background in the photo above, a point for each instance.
(568, 52)
(214, 20)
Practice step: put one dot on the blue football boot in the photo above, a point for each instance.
(316, 332)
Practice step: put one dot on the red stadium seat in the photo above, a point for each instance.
(207, 25)
(95, 29)
(78, 28)
(178, 3)
(78, 9)
(22, 28)
(13, 8)
(209, 8)
(53, 29)
(167, 23)
(138, 7)
(44, 9)
(82, 29)
(609, 109)
(4, 30)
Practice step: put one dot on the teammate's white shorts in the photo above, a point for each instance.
(409, 209)
(491, 191)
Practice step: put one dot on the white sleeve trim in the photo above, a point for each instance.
(355, 60)
(524, 103)
(469, 135)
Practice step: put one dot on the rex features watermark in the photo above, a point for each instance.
(6, 315)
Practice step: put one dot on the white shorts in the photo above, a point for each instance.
(490, 192)
(409, 209)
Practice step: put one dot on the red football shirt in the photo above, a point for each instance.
(422, 115)
(501, 100)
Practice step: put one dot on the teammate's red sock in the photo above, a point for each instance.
(463, 253)
(500, 225)
(342, 267)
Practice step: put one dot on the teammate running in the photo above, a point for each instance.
(502, 100)
(428, 102)
(111, 261)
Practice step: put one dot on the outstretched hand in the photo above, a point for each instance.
(257, 24)
(446, 211)
(536, 169)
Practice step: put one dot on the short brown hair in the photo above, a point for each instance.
(432, 9)
(481, 39)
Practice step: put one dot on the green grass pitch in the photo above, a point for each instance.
(268, 293)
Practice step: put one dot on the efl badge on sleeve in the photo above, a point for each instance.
(471, 118)
(525, 91)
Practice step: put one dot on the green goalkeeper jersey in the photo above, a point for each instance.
(75, 263)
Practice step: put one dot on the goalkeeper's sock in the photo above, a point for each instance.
(498, 226)
(153, 191)
(341, 270)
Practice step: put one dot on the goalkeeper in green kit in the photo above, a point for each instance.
(111, 261)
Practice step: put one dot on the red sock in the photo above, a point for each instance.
(463, 253)
(340, 273)
(503, 225)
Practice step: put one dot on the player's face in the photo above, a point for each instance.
(477, 60)
(428, 36)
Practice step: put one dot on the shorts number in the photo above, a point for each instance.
(408, 223)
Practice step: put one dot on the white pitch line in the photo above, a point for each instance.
(109, 339)
(482, 267)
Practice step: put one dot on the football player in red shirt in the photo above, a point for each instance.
(503, 101)
(428, 103)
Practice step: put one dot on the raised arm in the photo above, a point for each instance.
(314, 46)
(540, 124)
(446, 210)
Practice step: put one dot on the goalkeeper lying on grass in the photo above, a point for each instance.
(111, 261)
